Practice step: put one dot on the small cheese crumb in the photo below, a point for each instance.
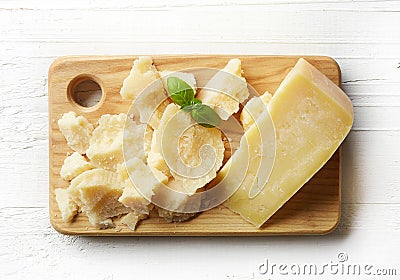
(132, 219)
(74, 165)
(76, 130)
(67, 206)
(171, 216)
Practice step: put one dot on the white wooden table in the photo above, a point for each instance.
(363, 36)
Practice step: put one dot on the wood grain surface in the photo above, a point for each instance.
(315, 209)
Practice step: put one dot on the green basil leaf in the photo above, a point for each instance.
(195, 101)
(180, 92)
(205, 115)
(187, 108)
(178, 99)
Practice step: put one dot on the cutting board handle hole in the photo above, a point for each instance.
(85, 93)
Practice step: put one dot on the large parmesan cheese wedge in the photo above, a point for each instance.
(226, 90)
(191, 152)
(145, 88)
(77, 131)
(253, 109)
(113, 133)
(74, 165)
(312, 116)
(96, 192)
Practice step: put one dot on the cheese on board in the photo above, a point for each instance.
(130, 220)
(143, 177)
(77, 131)
(142, 74)
(67, 206)
(311, 116)
(96, 192)
(74, 165)
(144, 87)
(225, 90)
(114, 133)
(191, 152)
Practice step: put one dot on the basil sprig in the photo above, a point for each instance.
(183, 95)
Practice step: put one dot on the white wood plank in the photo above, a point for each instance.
(37, 250)
(366, 5)
(288, 25)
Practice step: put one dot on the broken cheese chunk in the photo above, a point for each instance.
(145, 88)
(226, 90)
(74, 165)
(67, 206)
(76, 130)
(96, 192)
(131, 197)
(253, 109)
(312, 116)
(142, 74)
(194, 152)
(130, 220)
(114, 133)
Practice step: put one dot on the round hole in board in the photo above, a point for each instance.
(85, 92)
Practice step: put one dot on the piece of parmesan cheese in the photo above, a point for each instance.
(253, 109)
(171, 216)
(77, 131)
(108, 139)
(96, 192)
(226, 90)
(145, 88)
(74, 165)
(131, 220)
(67, 206)
(142, 74)
(194, 152)
(311, 117)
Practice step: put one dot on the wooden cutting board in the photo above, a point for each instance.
(315, 209)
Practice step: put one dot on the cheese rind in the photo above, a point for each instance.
(77, 131)
(225, 90)
(74, 165)
(312, 116)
